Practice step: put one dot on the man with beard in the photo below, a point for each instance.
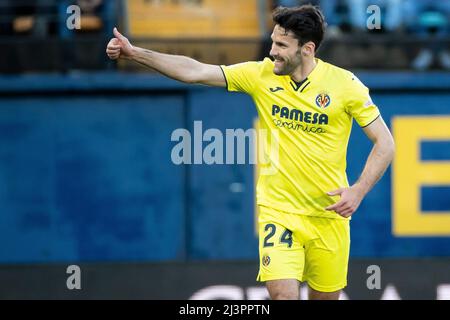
(305, 204)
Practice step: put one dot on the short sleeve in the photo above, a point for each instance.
(359, 104)
(242, 77)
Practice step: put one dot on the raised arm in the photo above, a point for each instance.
(378, 161)
(180, 68)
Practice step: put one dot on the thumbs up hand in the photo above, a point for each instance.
(119, 46)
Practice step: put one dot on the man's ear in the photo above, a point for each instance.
(308, 49)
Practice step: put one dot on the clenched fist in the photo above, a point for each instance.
(119, 47)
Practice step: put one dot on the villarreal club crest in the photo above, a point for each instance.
(323, 100)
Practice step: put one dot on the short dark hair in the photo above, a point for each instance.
(306, 22)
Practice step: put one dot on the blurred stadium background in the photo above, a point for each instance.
(86, 176)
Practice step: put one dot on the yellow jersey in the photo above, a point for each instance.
(307, 126)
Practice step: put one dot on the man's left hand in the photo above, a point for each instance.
(350, 200)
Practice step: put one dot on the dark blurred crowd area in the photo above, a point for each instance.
(44, 35)
(413, 34)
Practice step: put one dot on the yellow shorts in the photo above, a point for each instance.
(306, 248)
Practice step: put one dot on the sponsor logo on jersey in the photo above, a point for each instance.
(295, 119)
(298, 115)
(276, 89)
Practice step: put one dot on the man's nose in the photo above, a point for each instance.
(273, 51)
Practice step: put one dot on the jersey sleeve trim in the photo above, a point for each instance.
(225, 77)
(371, 121)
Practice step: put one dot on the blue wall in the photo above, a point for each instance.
(372, 224)
(86, 171)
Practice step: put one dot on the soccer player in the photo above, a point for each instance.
(305, 204)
